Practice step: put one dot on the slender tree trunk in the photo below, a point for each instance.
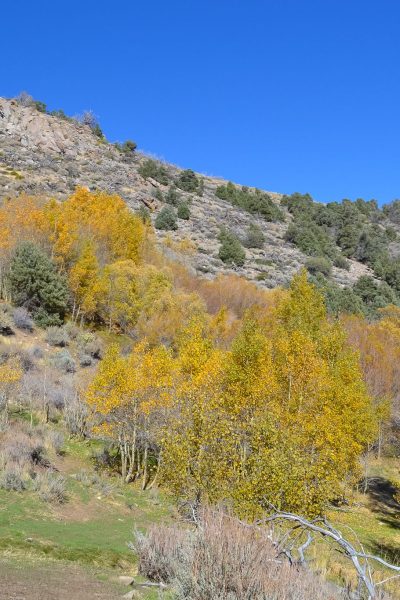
(132, 455)
(144, 480)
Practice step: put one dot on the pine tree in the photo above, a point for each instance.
(36, 284)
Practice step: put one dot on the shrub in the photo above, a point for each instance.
(166, 219)
(85, 360)
(187, 181)
(319, 264)
(172, 196)
(64, 362)
(5, 324)
(341, 263)
(231, 250)
(90, 344)
(159, 552)
(150, 168)
(22, 319)
(254, 237)
(75, 417)
(255, 202)
(224, 559)
(86, 478)
(72, 330)
(36, 284)
(57, 441)
(57, 336)
(12, 481)
(25, 99)
(37, 352)
(51, 487)
(26, 359)
(144, 214)
(129, 146)
(158, 195)
(183, 211)
(311, 239)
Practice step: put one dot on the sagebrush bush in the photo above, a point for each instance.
(6, 325)
(56, 440)
(22, 319)
(57, 336)
(12, 481)
(90, 344)
(224, 560)
(85, 360)
(172, 196)
(64, 362)
(51, 487)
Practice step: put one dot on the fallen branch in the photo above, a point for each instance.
(326, 530)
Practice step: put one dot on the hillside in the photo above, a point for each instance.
(137, 395)
(49, 155)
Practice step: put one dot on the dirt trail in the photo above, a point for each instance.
(52, 581)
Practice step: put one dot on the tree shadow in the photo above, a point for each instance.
(381, 493)
(389, 552)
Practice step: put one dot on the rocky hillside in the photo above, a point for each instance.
(50, 155)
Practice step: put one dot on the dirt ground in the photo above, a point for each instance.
(52, 581)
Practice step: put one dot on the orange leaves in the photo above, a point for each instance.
(23, 219)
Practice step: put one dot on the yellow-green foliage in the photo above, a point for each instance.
(280, 418)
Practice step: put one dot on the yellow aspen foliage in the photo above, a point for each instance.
(280, 419)
(116, 296)
(124, 396)
(105, 220)
(82, 279)
(10, 376)
(23, 219)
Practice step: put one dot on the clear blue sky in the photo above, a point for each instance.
(287, 95)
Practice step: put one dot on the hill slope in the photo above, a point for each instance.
(50, 155)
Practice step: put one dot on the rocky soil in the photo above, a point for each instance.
(49, 156)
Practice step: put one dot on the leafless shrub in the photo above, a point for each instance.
(51, 487)
(75, 416)
(224, 560)
(25, 99)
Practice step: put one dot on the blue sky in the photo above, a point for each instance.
(287, 95)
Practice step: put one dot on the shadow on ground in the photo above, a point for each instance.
(381, 493)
